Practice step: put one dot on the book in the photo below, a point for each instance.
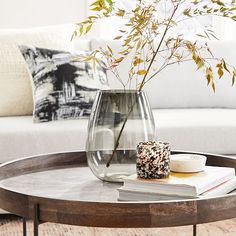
(182, 184)
(221, 189)
(126, 194)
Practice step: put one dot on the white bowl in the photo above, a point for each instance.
(187, 163)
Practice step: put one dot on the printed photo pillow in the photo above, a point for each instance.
(63, 87)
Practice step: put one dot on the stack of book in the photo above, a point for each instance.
(212, 181)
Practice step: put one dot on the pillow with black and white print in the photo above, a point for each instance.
(63, 87)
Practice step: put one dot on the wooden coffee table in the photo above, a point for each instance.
(60, 188)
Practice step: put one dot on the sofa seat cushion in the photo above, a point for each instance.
(203, 130)
(20, 137)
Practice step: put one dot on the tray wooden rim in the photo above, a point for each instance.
(111, 214)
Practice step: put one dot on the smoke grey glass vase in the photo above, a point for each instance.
(120, 119)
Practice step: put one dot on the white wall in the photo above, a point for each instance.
(30, 13)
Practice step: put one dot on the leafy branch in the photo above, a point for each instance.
(150, 37)
(144, 28)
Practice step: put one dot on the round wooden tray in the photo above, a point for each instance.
(60, 188)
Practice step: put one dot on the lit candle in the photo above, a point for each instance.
(153, 160)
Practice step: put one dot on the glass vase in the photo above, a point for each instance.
(119, 120)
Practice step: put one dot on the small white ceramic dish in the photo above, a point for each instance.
(187, 163)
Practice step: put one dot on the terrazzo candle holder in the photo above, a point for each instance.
(153, 160)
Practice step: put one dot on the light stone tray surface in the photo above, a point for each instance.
(76, 183)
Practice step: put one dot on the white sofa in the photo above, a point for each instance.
(187, 114)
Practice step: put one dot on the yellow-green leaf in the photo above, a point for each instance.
(120, 12)
(118, 60)
(96, 3)
(73, 35)
(186, 12)
(97, 9)
(209, 75)
(81, 29)
(194, 57)
(200, 35)
(141, 72)
(220, 72)
(199, 62)
(124, 52)
(213, 87)
(88, 28)
(225, 66)
(138, 45)
(234, 72)
(109, 49)
(220, 3)
(138, 61)
(127, 41)
(233, 79)
(109, 1)
(88, 58)
(92, 17)
(86, 22)
(118, 37)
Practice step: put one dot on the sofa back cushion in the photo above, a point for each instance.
(182, 86)
(15, 89)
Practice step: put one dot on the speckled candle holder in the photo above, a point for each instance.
(153, 160)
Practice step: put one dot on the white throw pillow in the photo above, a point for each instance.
(15, 89)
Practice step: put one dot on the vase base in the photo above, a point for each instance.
(116, 177)
(114, 173)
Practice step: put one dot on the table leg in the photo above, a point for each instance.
(194, 230)
(36, 220)
(24, 226)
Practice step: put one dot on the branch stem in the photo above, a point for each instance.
(158, 48)
(119, 135)
(141, 86)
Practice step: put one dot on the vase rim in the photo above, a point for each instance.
(121, 91)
